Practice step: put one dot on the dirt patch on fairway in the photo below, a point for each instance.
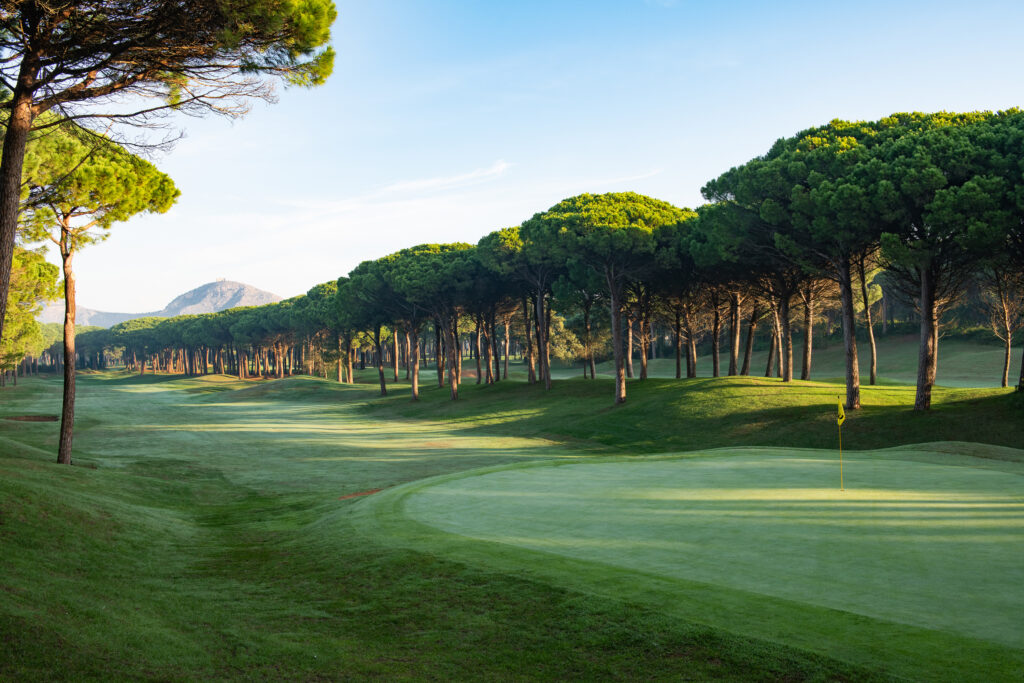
(33, 418)
(361, 493)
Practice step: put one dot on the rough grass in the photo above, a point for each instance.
(206, 533)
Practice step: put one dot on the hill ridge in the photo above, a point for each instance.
(207, 298)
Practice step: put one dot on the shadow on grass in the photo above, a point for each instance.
(669, 415)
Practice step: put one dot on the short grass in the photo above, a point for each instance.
(962, 363)
(770, 532)
(207, 530)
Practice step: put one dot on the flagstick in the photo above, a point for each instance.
(841, 457)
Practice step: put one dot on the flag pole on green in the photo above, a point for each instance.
(840, 418)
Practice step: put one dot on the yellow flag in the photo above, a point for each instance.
(842, 415)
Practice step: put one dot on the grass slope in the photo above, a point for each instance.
(663, 415)
(207, 532)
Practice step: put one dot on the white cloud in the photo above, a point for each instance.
(448, 182)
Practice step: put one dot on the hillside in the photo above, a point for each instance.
(208, 298)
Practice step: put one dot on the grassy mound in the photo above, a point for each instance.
(664, 415)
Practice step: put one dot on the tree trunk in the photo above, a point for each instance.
(629, 346)
(716, 336)
(928, 355)
(16, 132)
(341, 361)
(867, 320)
(531, 372)
(849, 336)
(380, 360)
(394, 336)
(734, 332)
(691, 343)
(453, 351)
(805, 371)
(748, 350)
(787, 340)
(773, 347)
(350, 361)
(488, 360)
(408, 352)
(615, 299)
(644, 346)
(1006, 358)
(438, 357)
(458, 347)
(678, 329)
(542, 341)
(415, 363)
(492, 335)
(590, 342)
(505, 371)
(478, 343)
(67, 413)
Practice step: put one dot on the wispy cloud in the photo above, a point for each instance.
(447, 182)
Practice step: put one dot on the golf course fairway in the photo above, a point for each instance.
(921, 551)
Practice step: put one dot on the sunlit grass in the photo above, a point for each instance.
(896, 544)
(207, 532)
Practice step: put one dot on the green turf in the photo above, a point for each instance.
(961, 363)
(206, 532)
(894, 545)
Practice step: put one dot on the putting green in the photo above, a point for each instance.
(929, 540)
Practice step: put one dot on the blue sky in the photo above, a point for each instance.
(444, 121)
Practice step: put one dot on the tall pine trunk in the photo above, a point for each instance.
(691, 343)
(867, 320)
(531, 371)
(734, 332)
(341, 361)
(478, 351)
(629, 346)
(453, 352)
(394, 336)
(505, 370)
(615, 303)
(380, 360)
(748, 350)
(438, 357)
(927, 358)
(787, 339)
(849, 336)
(716, 339)
(408, 351)
(17, 128)
(805, 371)
(67, 413)
(645, 342)
(543, 355)
(1008, 345)
(414, 363)
(677, 328)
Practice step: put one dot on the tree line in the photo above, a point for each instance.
(929, 203)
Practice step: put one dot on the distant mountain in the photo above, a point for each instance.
(208, 298)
